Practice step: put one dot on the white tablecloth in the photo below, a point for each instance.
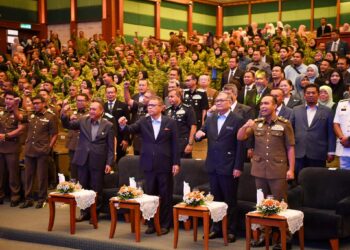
(148, 205)
(217, 209)
(294, 218)
(83, 198)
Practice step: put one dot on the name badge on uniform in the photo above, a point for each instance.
(277, 127)
(196, 97)
(1, 112)
(44, 120)
(180, 112)
(32, 116)
(119, 109)
(75, 112)
(229, 128)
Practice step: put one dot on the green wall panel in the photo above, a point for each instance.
(236, 10)
(295, 5)
(89, 14)
(204, 9)
(19, 11)
(204, 18)
(58, 12)
(174, 6)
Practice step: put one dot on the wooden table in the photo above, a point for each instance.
(135, 217)
(195, 212)
(270, 221)
(68, 199)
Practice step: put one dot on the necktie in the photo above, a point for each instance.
(110, 106)
(247, 89)
(334, 46)
(230, 76)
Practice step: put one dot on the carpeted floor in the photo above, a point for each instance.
(30, 225)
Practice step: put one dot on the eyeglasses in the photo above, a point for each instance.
(152, 105)
(37, 103)
(220, 100)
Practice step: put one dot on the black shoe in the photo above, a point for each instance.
(27, 204)
(150, 230)
(213, 235)
(164, 231)
(231, 238)
(14, 203)
(1, 201)
(39, 205)
(259, 243)
(82, 217)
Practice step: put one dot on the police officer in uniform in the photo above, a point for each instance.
(73, 135)
(185, 118)
(10, 130)
(273, 158)
(42, 135)
(196, 98)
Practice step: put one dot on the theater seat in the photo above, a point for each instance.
(324, 197)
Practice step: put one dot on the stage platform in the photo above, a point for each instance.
(27, 229)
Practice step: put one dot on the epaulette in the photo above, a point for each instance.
(109, 115)
(282, 119)
(345, 100)
(169, 107)
(186, 105)
(261, 119)
(201, 90)
(50, 111)
(186, 90)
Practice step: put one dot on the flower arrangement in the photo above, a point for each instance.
(66, 187)
(271, 206)
(127, 192)
(194, 198)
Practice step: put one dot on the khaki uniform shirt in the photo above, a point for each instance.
(270, 159)
(8, 123)
(41, 127)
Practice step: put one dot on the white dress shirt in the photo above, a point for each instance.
(156, 126)
(310, 113)
(221, 120)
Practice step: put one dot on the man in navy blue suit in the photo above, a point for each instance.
(225, 159)
(313, 128)
(159, 158)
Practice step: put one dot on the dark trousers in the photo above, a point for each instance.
(224, 188)
(91, 177)
(10, 163)
(73, 167)
(120, 152)
(304, 162)
(161, 184)
(36, 165)
(275, 187)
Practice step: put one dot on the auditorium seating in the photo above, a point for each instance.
(324, 197)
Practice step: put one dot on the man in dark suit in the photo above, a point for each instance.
(233, 73)
(266, 58)
(159, 158)
(117, 109)
(281, 109)
(313, 128)
(244, 95)
(225, 159)
(337, 45)
(94, 154)
(324, 29)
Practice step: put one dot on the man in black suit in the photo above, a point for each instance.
(324, 29)
(225, 159)
(94, 154)
(117, 109)
(233, 73)
(244, 95)
(313, 128)
(266, 58)
(337, 45)
(159, 158)
(281, 109)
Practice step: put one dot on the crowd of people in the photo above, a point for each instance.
(275, 89)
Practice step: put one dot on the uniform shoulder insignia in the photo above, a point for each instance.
(50, 111)
(201, 90)
(109, 115)
(345, 100)
(186, 105)
(186, 89)
(167, 108)
(259, 119)
(282, 119)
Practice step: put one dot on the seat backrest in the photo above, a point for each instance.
(246, 186)
(324, 188)
(193, 172)
(129, 166)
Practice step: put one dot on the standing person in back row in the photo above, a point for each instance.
(159, 158)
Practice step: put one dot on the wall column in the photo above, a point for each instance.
(42, 18)
(337, 22)
(106, 20)
(219, 20)
(189, 20)
(157, 19)
(73, 16)
(279, 10)
(312, 15)
(250, 12)
(120, 17)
